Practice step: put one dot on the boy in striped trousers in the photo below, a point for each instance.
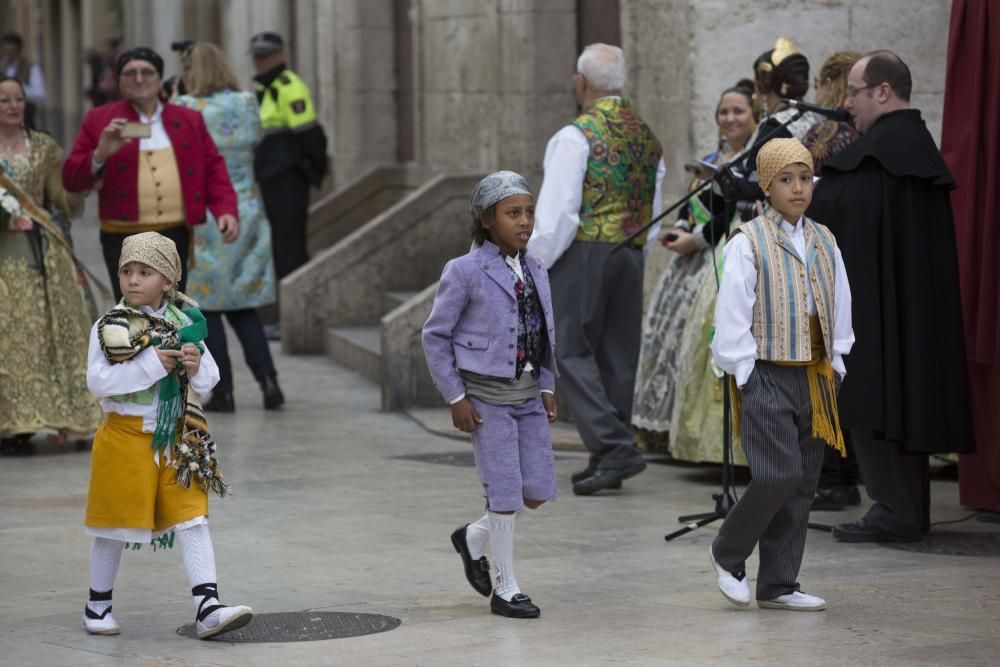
(782, 326)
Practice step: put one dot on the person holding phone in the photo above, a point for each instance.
(703, 223)
(154, 164)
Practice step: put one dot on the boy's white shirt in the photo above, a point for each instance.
(733, 346)
(105, 379)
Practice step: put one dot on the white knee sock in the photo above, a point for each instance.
(477, 534)
(502, 547)
(105, 557)
(199, 563)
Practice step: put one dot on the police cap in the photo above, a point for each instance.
(264, 43)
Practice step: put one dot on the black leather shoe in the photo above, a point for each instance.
(221, 401)
(589, 471)
(18, 445)
(829, 499)
(520, 606)
(581, 475)
(862, 531)
(833, 498)
(273, 398)
(477, 572)
(608, 478)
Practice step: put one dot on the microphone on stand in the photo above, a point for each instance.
(829, 112)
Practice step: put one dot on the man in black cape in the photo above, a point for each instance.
(886, 199)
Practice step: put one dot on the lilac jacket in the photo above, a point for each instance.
(473, 323)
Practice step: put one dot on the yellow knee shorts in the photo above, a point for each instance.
(128, 489)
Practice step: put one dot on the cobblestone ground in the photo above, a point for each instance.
(325, 516)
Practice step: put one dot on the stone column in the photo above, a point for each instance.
(70, 95)
(494, 82)
(354, 83)
(656, 40)
(241, 19)
(153, 23)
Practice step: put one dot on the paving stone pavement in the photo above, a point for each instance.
(325, 516)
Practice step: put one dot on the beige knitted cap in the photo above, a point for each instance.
(155, 250)
(159, 252)
(778, 154)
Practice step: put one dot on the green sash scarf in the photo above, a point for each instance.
(172, 397)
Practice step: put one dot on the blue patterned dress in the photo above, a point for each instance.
(238, 275)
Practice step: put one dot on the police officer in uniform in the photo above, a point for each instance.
(291, 155)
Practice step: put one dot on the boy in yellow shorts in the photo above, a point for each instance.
(153, 460)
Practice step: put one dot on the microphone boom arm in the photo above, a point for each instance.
(757, 144)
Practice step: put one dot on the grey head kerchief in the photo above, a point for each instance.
(498, 185)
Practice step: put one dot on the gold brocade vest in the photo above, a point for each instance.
(161, 202)
(780, 313)
(620, 181)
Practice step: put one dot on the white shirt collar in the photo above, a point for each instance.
(514, 262)
(156, 313)
(791, 228)
(155, 118)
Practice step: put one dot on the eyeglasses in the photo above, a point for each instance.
(852, 92)
(145, 72)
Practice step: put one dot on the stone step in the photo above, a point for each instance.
(392, 300)
(358, 348)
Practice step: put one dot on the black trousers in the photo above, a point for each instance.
(111, 247)
(839, 470)
(899, 483)
(250, 331)
(597, 299)
(286, 201)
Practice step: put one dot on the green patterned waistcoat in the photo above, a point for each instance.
(620, 182)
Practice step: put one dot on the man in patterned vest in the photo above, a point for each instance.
(602, 182)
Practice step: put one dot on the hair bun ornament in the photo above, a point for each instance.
(783, 48)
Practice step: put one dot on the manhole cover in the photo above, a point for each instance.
(303, 626)
(464, 458)
(953, 544)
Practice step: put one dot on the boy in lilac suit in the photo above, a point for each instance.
(490, 348)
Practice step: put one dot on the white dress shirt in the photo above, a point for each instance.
(143, 371)
(557, 212)
(733, 346)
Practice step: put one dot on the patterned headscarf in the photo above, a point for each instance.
(159, 252)
(778, 154)
(498, 185)
(141, 53)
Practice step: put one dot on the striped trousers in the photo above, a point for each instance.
(785, 463)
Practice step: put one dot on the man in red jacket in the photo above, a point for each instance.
(154, 164)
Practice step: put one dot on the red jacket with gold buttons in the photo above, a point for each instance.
(205, 183)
